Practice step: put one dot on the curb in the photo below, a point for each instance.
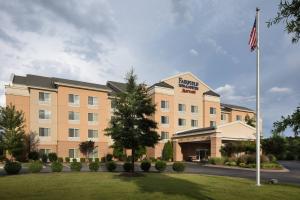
(248, 169)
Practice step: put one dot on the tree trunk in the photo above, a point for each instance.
(132, 158)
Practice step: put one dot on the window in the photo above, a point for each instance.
(44, 114)
(92, 101)
(194, 109)
(212, 124)
(44, 132)
(164, 120)
(92, 133)
(238, 118)
(212, 111)
(92, 117)
(73, 132)
(194, 123)
(44, 97)
(44, 151)
(164, 105)
(164, 135)
(181, 107)
(73, 115)
(73, 153)
(181, 122)
(94, 154)
(74, 99)
(223, 117)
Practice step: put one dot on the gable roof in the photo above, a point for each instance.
(211, 93)
(116, 87)
(51, 82)
(196, 130)
(235, 107)
(162, 84)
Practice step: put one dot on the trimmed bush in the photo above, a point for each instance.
(216, 161)
(94, 166)
(251, 159)
(60, 159)
(128, 167)
(96, 159)
(44, 158)
(264, 159)
(90, 160)
(145, 165)
(153, 159)
(12, 167)
(74, 159)
(52, 157)
(178, 166)
(75, 166)
(82, 160)
(111, 166)
(33, 155)
(160, 165)
(67, 159)
(242, 159)
(167, 153)
(35, 167)
(271, 166)
(56, 166)
(109, 157)
(242, 165)
(272, 158)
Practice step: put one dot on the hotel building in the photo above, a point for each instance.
(64, 113)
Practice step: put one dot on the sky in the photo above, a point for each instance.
(99, 40)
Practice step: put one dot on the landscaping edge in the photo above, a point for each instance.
(249, 169)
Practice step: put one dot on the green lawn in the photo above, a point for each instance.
(88, 185)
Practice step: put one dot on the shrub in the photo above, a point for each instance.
(97, 160)
(75, 166)
(264, 158)
(290, 156)
(103, 159)
(109, 157)
(128, 167)
(178, 166)
(56, 166)
(60, 159)
(251, 159)
(90, 160)
(82, 160)
(272, 158)
(216, 161)
(12, 167)
(160, 165)
(52, 157)
(74, 159)
(94, 166)
(67, 159)
(271, 166)
(111, 166)
(145, 165)
(242, 164)
(35, 166)
(153, 159)
(232, 163)
(251, 165)
(44, 158)
(33, 155)
(167, 153)
(2, 158)
(242, 159)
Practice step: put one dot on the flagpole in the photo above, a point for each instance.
(257, 102)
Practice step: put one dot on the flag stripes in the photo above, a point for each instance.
(253, 39)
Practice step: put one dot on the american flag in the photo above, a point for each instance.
(253, 39)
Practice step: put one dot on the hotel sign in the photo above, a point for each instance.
(188, 86)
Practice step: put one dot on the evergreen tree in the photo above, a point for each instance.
(131, 126)
(167, 153)
(12, 123)
(250, 121)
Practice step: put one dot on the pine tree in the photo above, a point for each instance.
(167, 153)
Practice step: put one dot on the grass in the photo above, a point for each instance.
(99, 185)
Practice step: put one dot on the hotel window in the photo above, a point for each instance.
(212, 124)
(164, 120)
(44, 132)
(73, 115)
(92, 133)
(44, 97)
(92, 117)
(92, 101)
(194, 109)
(44, 151)
(223, 117)
(73, 153)
(181, 107)
(73, 132)
(194, 123)
(212, 111)
(44, 114)
(181, 122)
(74, 99)
(164, 105)
(94, 154)
(238, 118)
(164, 135)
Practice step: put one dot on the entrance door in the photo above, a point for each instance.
(201, 154)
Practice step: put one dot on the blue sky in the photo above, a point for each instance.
(97, 41)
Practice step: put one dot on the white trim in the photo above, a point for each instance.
(82, 87)
(187, 73)
(236, 122)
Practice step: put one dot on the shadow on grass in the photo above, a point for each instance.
(167, 185)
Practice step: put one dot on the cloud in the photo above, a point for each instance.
(280, 90)
(228, 95)
(182, 11)
(194, 52)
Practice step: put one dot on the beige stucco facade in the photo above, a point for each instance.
(183, 103)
